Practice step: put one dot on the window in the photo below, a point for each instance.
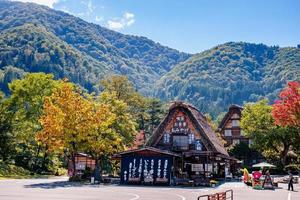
(235, 141)
(166, 138)
(198, 145)
(228, 133)
(250, 142)
(235, 123)
(235, 115)
(180, 141)
(191, 138)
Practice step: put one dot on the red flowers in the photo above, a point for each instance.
(286, 110)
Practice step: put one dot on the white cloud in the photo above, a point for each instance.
(120, 23)
(48, 3)
(98, 18)
(89, 5)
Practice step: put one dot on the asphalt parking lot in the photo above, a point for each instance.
(60, 189)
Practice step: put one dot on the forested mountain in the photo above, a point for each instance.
(35, 38)
(86, 50)
(232, 73)
(32, 49)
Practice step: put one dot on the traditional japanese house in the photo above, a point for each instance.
(230, 127)
(182, 148)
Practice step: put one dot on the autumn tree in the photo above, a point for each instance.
(102, 139)
(258, 123)
(67, 119)
(286, 110)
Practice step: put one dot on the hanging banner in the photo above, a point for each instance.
(146, 169)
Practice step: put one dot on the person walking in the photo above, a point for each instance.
(290, 182)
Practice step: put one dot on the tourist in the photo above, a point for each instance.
(290, 182)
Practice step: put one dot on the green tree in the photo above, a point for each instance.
(155, 111)
(123, 90)
(26, 103)
(242, 151)
(6, 137)
(258, 123)
(124, 125)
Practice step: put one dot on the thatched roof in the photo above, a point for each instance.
(209, 137)
(231, 109)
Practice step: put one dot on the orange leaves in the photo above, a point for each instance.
(286, 110)
(74, 122)
(66, 119)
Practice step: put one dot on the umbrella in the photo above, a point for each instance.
(263, 164)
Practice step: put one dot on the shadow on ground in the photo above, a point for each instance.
(57, 184)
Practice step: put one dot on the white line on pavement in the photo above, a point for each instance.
(182, 197)
(289, 196)
(135, 196)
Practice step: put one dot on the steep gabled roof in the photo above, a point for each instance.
(199, 121)
(228, 114)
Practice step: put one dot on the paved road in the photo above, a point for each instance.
(60, 189)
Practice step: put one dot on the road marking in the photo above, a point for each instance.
(289, 196)
(135, 196)
(182, 197)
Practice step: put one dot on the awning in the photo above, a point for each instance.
(151, 149)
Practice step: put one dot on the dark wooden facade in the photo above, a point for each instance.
(230, 127)
(183, 147)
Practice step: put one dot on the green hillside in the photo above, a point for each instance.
(141, 59)
(35, 38)
(232, 73)
(30, 48)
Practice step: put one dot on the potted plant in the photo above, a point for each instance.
(213, 183)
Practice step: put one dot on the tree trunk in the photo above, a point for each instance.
(285, 151)
(98, 170)
(44, 161)
(34, 165)
(73, 157)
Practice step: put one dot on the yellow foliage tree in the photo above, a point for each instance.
(66, 121)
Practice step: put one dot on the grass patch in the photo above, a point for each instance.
(10, 171)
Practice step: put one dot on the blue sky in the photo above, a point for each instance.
(193, 25)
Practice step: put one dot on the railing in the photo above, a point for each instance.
(228, 194)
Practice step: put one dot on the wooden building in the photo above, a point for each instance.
(183, 148)
(83, 162)
(230, 127)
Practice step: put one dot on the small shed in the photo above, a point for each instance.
(83, 162)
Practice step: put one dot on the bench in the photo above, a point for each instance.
(218, 196)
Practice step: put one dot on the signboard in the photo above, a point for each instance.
(197, 167)
(80, 166)
(148, 169)
(267, 184)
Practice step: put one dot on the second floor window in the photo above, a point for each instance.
(191, 138)
(198, 145)
(235, 123)
(166, 138)
(180, 141)
(228, 133)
